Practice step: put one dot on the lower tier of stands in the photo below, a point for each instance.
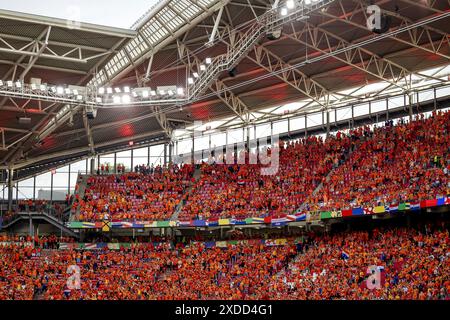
(410, 264)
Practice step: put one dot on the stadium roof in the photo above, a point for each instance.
(321, 54)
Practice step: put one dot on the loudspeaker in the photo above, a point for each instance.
(275, 35)
(385, 25)
(91, 113)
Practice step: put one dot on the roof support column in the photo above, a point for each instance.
(210, 43)
(328, 123)
(10, 188)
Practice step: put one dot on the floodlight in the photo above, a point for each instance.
(19, 84)
(60, 90)
(1, 83)
(117, 99)
(162, 92)
(33, 86)
(180, 91)
(195, 74)
(202, 67)
(153, 93)
(109, 90)
(126, 99)
(170, 92)
(10, 84)
(43, 87)
(117, 90)
(190, 80)
(98, 100)
(79, 97)
(68, 91)
(101, 90)
(208, 60)
(126, 89)
(75, 92)
(290, 4)
(145, 94)
(284, 11)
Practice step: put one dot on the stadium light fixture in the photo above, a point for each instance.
(109, 90)
(126, 99)
(75, 92)
(98, 99)
(202, 67)
(126, 89)
(153, 93)
(9, 84)
(1, 82)
(135, 95)
(117, 99)
(145, 94)
(18, 84)
(68, 91)
(190, 81)
(60, 90)
(290, 4)
(117, 90)
(195, 74)
(180, 91)
(208, 60)
(101, 90)
(284, 11)
(33, 86)
(43, 87)
(79, 97)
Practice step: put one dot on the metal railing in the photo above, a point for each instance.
(267, 22)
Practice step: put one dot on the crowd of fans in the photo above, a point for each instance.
(406, 162)
(130, 196)
(415, 265)
(362, 167)
(244, 190)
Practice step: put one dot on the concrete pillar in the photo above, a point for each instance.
(165, 154)
(410, 103)
(170, 152)
(328, 124)
(192, 151)
(10, 188)
(92, 166)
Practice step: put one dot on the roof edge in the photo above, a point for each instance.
(62, 23)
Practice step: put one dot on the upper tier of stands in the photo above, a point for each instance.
(415, 266)
(404, 162)
(135, 195)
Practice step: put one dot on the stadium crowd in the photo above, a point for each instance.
(134, 195)
(406, 162)
(244, 190)
(415, 266)
(366, 167)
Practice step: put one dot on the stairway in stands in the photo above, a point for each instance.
(82, 185)
(319, 188)
(40, 295)
(180, 206)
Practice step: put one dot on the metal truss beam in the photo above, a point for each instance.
(35, 48)
(150, 40)
(233, 102)
(273, 64)
(423, 37)
(359, 57)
